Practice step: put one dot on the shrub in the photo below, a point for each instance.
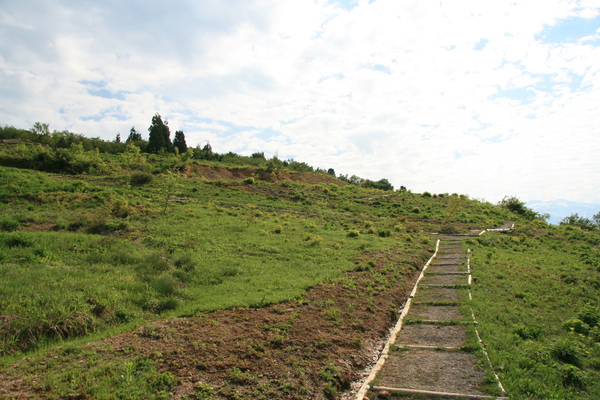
(141, 178)
(353, 233)
(449, 230)
(590, 315)
(577, 325)
(163, 382)
(18, 239)
(528, 332)
(8, 224)
(573, 376)
(249, 181)
(567, 350)
(385, 232)
(186, 263)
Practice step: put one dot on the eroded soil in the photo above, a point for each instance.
(296, 350)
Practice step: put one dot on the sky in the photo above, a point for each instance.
(484, 98)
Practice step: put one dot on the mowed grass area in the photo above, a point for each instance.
(537, 298)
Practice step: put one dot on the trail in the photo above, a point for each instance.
(431, 351)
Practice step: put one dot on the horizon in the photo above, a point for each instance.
(488, 100)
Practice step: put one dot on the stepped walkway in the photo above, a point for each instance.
(427, 355)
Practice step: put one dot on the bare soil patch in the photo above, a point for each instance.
(434, 313)
(435, 294)
(448, 280)
(239, 174)
(431, 370)
(446, 268)
(281, 351)
(432, 335)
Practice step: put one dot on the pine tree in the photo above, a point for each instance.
(160, 136)
(133, 135)
(179, 142)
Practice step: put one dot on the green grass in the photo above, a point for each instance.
(534, 289)
(86, 254)
(81, 254)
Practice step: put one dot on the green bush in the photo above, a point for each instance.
(8, 224)
(353, 233)
(568, 351)
(141, 178)
(385, 233)
(18, 239)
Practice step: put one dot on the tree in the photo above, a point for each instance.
(383, 184)
(134, 135)
(331, 171)
(160, 136)
(576, 220)
(41, 129)
(513, 204)
(179, 142)
(118, 138)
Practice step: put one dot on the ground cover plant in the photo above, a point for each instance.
(195, 276)
(537, 297)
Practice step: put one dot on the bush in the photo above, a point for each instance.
(590, 315)
(249, 181)
(18, 239)
(353, 233)
(528, 332)
(568, 351)
(8, 224)
(573, 376)
(449, 230)
(141, 178)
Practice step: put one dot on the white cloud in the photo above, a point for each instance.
(401, 90)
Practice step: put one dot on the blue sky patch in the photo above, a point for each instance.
(569, 30)
(481, 45)
(346, 4)
(106, 94)
(524, 95)
(98, 88)
(382, 68)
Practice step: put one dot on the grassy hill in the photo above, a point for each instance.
(276, 279)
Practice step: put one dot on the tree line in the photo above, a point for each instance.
(64, 151)
(517, 206)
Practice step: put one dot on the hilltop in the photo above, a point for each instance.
(197, 275)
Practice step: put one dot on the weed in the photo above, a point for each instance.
(278, 327)
(353, 233)
(528, 332)
(568, 351)
(204, 391)
(239, 377)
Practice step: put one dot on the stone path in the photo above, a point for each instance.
(428, 354)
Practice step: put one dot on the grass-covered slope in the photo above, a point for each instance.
(140, 238)
(82, 253)
(537, 298)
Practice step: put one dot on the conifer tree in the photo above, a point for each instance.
(160, 136)
(179, 142)
(133, 135)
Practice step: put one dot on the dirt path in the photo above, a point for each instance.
(433, 353)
